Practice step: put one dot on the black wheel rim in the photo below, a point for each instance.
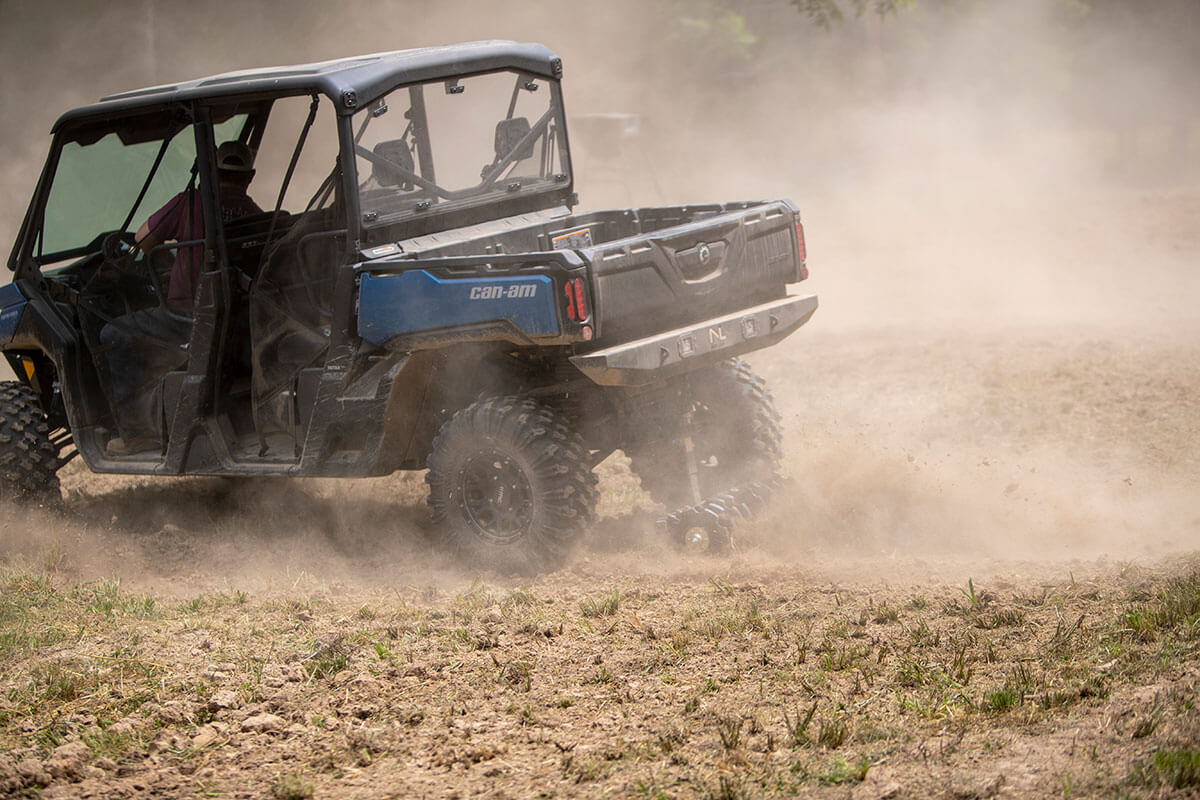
(695, 539)
(497, 497)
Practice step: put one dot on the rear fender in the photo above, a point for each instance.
(411, 304)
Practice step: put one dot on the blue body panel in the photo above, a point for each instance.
(416, 301)
(12, 305)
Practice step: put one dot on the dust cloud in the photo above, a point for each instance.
(1002, 204)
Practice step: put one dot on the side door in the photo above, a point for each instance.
(281, 265)
(107, 176)
(200, 289)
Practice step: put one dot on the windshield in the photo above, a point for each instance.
(457, 143)
(106, 182)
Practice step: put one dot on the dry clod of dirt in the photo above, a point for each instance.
(263, 723)
(222, 699)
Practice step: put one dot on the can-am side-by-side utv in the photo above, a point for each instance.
(411, 288)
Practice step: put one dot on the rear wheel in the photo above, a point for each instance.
(28, 458)
(735, 433)
(510, 485)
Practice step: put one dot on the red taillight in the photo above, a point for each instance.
(577, 304)
(581, 303)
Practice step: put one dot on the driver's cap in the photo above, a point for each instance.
(235, 157)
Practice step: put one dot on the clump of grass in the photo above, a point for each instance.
(326, 663)
(1017, 686)
(524, 714)
(672, 739)
(519, 597)
(729, 787)
(843, 657)
(1176, 607)
(918, 602)
(1063, 643)
(834, 732)
(104, 597)
(914, 673)
(753, 620)
(218, 600)
(58, 682)
(468, 604)
(26, 590)
(923, 636)
(1148, 723)
(885, 614)
(1001, 700)
(841, 771)
(109, 744)
(977, 600)
(602, 676)
(1176, 769)
(1001, 618)
(27, 615)
(604, 606)
(518, 674)
(729, 729)
(797, 728)
(671, 653)
(292, 787)
(722, 586)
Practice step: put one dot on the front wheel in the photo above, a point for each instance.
(510, 485)
(28, 458)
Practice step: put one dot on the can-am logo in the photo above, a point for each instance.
(512, 291)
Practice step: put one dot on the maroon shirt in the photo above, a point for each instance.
(182, 220)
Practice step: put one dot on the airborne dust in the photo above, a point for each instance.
(1003, 212)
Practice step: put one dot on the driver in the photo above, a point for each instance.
(182, 220)
(143, 345)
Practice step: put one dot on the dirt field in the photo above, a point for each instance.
(920, 614)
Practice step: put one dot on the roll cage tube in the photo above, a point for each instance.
(420, 126)
(287, 178)
(162, 151)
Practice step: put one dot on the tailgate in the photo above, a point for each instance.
(694, 270)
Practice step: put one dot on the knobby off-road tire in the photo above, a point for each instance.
(735, 432)
(28, 459)
(510, 485)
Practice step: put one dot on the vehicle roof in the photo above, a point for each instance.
(365, 77)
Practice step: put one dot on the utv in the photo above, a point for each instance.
(414, 291)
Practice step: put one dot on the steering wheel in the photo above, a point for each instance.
(120, 250)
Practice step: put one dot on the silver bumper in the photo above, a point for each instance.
(665, 354)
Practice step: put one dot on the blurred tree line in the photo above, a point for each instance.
(1128, 70)
(1091, 39)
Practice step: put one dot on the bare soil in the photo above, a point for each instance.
(981, 581)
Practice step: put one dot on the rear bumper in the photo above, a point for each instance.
(692, 346)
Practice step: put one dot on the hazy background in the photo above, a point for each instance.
(1002, 202)
(941, 152)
